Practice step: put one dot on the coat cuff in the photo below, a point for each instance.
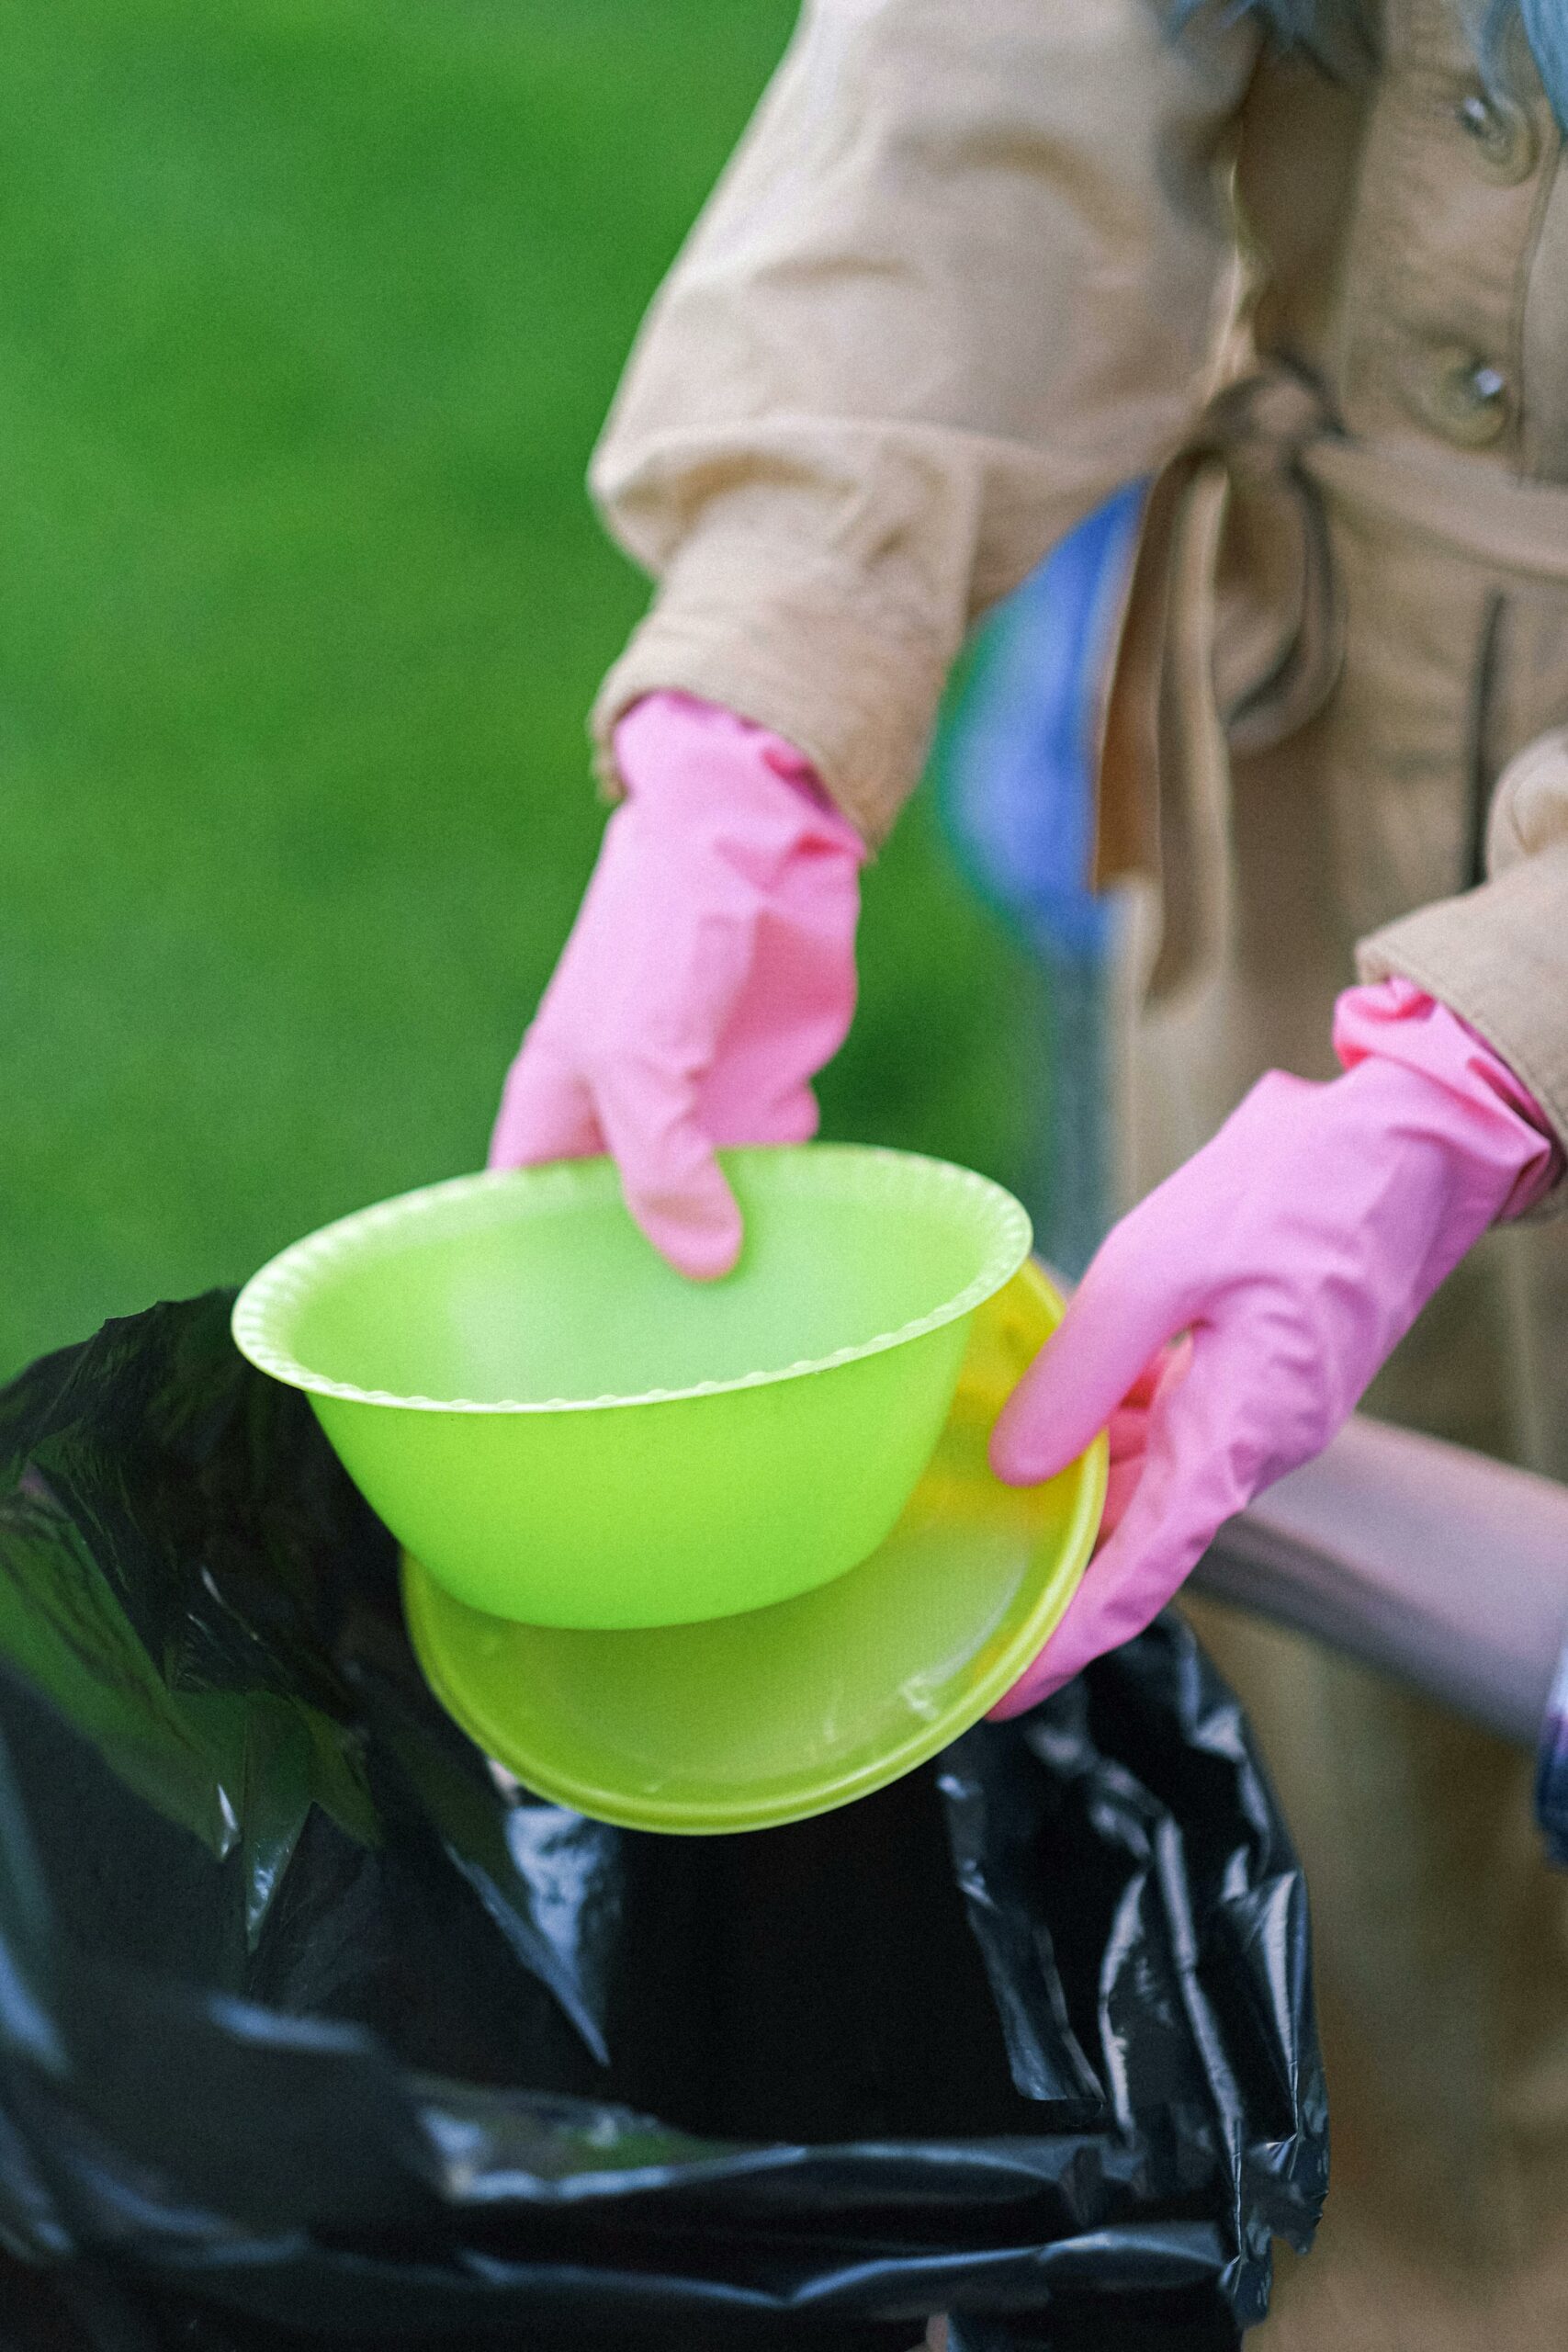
(1498, 958)
(793, 649)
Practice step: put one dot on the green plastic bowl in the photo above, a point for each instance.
(565, 1432)
(744, 1722)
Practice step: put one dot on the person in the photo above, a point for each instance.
(971, 271)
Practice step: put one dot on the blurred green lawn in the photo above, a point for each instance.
(309, 313)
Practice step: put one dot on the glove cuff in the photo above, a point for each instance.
(1394, 1022)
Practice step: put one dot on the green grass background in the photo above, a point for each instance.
(309, 313)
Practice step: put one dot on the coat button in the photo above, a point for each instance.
(1503, 135)
(1460, 396)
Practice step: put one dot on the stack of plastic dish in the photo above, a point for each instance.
(695, 1557)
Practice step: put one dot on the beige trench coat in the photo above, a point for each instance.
(971, 270)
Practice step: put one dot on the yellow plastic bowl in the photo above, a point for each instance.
(565, 1432)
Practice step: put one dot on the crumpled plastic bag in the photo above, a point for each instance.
(315, 2027)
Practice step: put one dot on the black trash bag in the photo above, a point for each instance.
(315, 2026)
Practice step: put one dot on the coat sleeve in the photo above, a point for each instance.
(1498, 954)
(960, 280)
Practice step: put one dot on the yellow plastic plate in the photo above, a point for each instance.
(746, 1721)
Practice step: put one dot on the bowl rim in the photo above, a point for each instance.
(288, 1278)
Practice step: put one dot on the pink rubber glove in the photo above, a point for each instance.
(709, 975)
(1228, 1325)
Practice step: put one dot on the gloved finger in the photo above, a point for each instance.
(1128, 1431)
(1185, 1493)
(1114, 1325)
(547, 1112)
(1143, 1390)
(1120, 1485)
(673, 1184)
(1129, 1436)
(792, 1012)
(729, 1112)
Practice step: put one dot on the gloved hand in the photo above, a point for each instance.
(1227, 1327)
(708, 976)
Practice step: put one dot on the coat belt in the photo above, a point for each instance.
(1174, 709)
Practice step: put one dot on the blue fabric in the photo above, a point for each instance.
(1547, 32)
(1017, 758)
(1015, 771)
(1340, 34)
(1552, 1772)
